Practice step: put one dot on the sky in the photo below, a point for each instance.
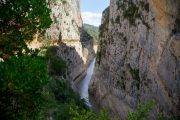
(91, 11)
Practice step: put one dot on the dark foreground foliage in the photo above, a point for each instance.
(60, 99)
(21, 83)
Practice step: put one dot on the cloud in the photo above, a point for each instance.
(91, 18)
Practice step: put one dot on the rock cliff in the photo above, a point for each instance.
(138, 57)
(65, 32)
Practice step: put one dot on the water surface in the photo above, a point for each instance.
(82, 88)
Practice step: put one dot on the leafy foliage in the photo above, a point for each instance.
(90, 116)
(22, 76)
(135, 73)
(131, 12)
(147, 7)
(21, 81)
(146, 24)
(99, 57)
(20, 21)
(51, 50)
(64, 1)
(42, 52)
(61, 98)
(57, 65)
(143, 111)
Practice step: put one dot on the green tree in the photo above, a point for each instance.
(19, 21)
(22, 77)
(60, 99)
(21, 83)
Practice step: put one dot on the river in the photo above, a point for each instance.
(82, 88)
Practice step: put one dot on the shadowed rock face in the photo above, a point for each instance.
(138, 58)
(88, 50)
(76, 66)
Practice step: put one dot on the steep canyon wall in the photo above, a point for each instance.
(138, 57)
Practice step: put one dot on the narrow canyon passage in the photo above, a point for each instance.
(82, 88)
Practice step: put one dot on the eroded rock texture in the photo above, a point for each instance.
(138, 57)
(65, 32)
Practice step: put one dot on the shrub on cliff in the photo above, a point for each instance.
(57, 66)
(51, 50)
(64, 1)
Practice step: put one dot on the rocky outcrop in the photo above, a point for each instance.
(138, 57)
(65, 32)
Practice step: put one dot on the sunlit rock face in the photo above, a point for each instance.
(65, 32)
(138, 57)
(67, 19)
(76, 9)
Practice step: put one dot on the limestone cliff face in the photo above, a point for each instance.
(67, 19)
(65, 32)
(76, 9)
(138, 57)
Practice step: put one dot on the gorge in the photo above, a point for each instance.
(137, 57)
(50, 60)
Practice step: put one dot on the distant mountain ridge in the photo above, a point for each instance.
(93, 31)
(91, 26)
